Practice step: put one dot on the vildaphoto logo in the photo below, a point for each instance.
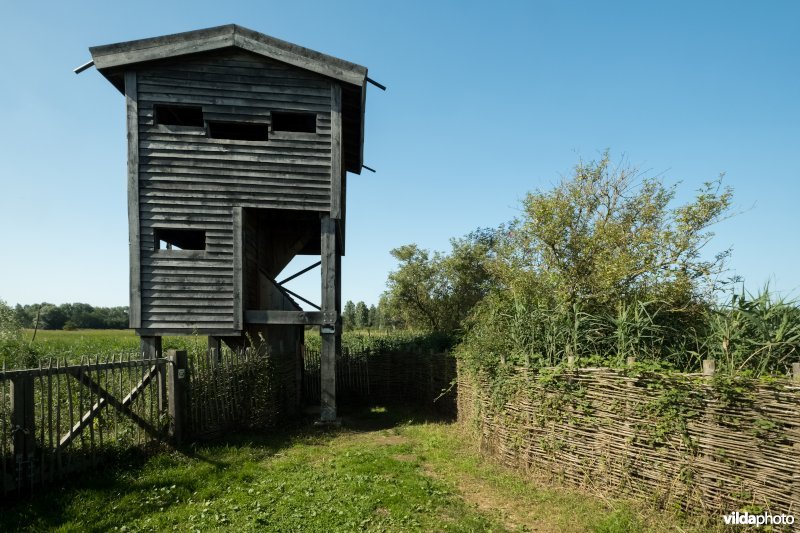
(763, 519)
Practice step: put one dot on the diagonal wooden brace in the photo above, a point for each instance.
(107, 399)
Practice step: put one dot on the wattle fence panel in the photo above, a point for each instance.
(674, 440)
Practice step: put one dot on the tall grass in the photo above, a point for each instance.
(758, 334)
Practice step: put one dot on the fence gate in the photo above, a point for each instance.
(60, 418)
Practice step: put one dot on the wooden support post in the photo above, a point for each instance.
(709, 367)
(23, 425)
(571, 361)
(329, 324)
(176, 392)
(631, 360)
(150, 347)
(338, 284)
(214, 350)
(796, 372)
(132, 107)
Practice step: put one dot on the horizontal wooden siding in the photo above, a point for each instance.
(190, 181)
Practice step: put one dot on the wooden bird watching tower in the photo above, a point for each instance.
(239, 146)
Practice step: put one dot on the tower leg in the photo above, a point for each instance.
(214, 349)
(150, 347)
(329, 328)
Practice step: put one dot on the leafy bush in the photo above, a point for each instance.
(601, 267)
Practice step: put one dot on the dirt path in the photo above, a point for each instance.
(514, 514)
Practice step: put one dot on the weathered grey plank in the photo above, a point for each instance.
(252, 104)
(328, 349)
(264, 87)
(131, 103)
(264, 200)
(318, 173)
(178, 294)
(212, 213)
(221, 270)
(255, 316)
(300, 189)
(263, 156)
(307, 184)
(192, 311)
(252, 97)
(104, 59)
(155, 144)
(221, 331)
(160, 324)
(300, 57)
(336, 151)
(199, 279)
(209, 304)
(238, 308)
(221, 165)
(281, 142)
(175, 260)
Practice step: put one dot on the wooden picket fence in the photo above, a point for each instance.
(61, 418)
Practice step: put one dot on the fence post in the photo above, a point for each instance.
(214, 350)
(163, 398)
(631, 360)
(709, 367)
(23, 425)
(431, 388)
(796, 371)
(571, 361)
(176, 393)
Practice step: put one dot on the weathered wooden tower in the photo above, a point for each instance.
(238, 149)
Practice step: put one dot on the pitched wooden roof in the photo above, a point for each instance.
(113, 59)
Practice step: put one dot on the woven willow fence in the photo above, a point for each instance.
(391, 377)
(705, 445)
(235, 390)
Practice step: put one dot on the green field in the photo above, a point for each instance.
(101, 343)
(385, 470)
(92, 343)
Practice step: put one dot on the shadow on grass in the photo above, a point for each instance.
(130, 473)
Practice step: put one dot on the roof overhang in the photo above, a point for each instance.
(113, 60)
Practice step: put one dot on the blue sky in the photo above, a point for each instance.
(486, 101)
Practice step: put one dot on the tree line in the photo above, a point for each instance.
(70, 316)
(359, 316)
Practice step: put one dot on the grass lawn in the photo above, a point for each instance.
(384, 470)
